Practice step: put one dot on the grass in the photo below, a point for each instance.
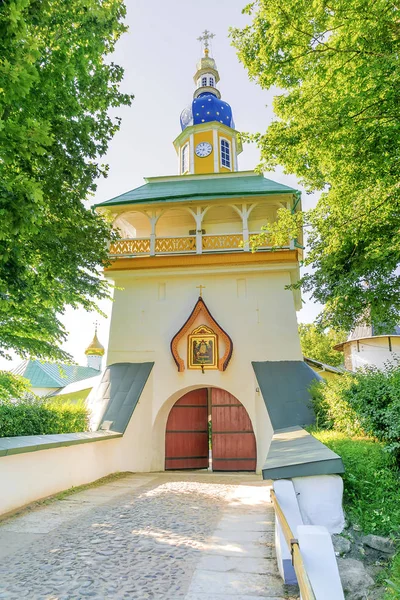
(371, 493)
(392, 579)
(371, 482)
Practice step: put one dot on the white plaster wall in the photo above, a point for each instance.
(43, 391)
(374, 351)
(31, 476)
(252, 306)
(175, 222)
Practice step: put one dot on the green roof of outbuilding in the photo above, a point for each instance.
(53, 375)
(184, 188)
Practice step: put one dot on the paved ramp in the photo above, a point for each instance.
(190, 536)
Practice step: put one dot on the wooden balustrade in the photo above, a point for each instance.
(180, 244)
(306, 590)
(226, 241)
(129, 247)
(169, 245)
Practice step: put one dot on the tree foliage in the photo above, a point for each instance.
(318, 345)
(56, 89)
(12, 386)
(338, 130)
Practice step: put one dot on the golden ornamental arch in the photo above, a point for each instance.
(211, 329)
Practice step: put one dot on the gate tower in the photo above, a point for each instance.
(197, 316)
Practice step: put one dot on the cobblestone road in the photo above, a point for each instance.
(192, 536)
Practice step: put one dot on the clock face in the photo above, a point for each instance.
(203, 149)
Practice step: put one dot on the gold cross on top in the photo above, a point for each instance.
(205, 38)
(202, 287)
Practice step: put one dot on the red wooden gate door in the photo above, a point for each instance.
(233, 440)
(186, 437)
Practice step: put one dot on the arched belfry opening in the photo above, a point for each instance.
(209, 428)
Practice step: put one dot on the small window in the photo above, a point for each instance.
(212, 81)
(225, 154)
(185, 159)
(204, 81)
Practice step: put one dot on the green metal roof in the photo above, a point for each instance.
(295, 453)
(122, 385)
(53, 375)
(183, 188)
(284, 385)
(32, 443)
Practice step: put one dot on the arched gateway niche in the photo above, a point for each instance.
(229, 441)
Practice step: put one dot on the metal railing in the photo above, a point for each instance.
(297, 560)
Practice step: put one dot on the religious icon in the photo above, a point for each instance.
(202, 349)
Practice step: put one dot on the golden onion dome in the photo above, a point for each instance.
(95, 348)
(206, 62)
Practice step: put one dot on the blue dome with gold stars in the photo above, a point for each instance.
(206, 108)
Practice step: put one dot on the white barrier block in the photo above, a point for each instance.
(320, 562)
(320, 501)
(286, 497)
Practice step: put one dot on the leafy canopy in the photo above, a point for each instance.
(13, 386)
(318, 345)
(56, 89)
(338, 130)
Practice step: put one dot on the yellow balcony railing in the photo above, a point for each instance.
(227, 241)
(168, 245)
(128, 247)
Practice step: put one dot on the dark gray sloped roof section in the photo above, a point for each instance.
(296, 453)
(122, 385)
(284, 386)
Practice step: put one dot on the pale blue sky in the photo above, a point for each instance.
(159, 55)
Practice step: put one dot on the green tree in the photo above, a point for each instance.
(338, 130)
(56, 90)
(13, 386)
(318, 344)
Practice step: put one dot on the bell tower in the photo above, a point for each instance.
(209, 142)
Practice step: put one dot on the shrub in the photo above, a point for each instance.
(367, 402)
(37, 416)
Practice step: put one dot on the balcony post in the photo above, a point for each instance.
(153, 222)
(199, 230)
(245, 214)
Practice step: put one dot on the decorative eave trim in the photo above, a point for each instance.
(201, 307)
(286, 259)
(340, 347)
(204, 89)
